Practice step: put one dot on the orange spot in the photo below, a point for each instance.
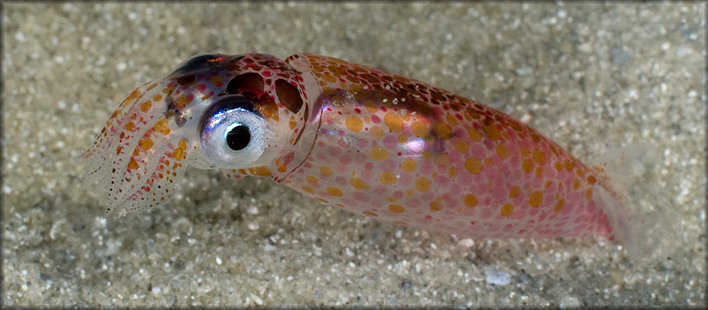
(452, 171)
(132, 165)
(168, 90)
(461, 146)
(451, 119)
(569, 165)
(576, 184)
(441, 160)
(118, 149)
(378, 153)
(387, 178)
(443, 131)
(130, 126)
(311, 179)
(179, 152)
(115, 113)
(580, 172)
(588, 194)
(426, 154)
(436, 205)
(145, 106)
(145, 143)
(135, 94)
(558, 166)
(334, 191)
(377, 132)
(473, 165)
(409, 165)
(535, 199)
(514, 192)
(507, 209)
(216, 80)
(491, 132)
(592, 180)
(157, 97)
(326, 171)
(402, 139)
(358, 183)
(354, 123)
(422, 184)
(371, 106)
(393, 121)
(182, 100)
(470, 200)
(539, 171)
(539, 157)
(292, 123)
(370, 213)
(161, 127)
(396, 209)
(262, 171)
(282, 168)
(420, 129)
(307, 189)
(474, 134)
(559, 205)
(501, 150)
(527, 165)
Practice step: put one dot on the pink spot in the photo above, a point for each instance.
(375, 119)
(413, 203)
(360, 158)
(390, 142)
(345, 160)
(334, 151)
(340, 181)
(405, 179)
(361, 196)
(380, 189)
(388, 165)
(426, 168)
(477, 151)
(442, 181)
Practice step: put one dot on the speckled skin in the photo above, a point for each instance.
(360, 139)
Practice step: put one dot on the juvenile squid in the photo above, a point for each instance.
(358, 138)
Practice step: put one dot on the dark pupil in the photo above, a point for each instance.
(238, 138)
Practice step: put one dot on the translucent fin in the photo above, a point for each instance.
(644, 219)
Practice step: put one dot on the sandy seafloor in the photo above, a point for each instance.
(591, 76)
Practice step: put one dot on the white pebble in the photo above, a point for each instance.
(497, 277)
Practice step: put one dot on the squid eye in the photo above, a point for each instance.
(238, 137)
(232, 134)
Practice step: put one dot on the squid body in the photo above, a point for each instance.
(358, 138)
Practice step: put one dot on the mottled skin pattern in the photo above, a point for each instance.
(360, 139)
